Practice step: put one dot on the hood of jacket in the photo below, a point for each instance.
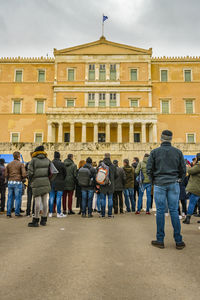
(39, 154)
(88, 166)
(107, 161)
(68, 162)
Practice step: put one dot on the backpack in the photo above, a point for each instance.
(102, 177)
(84, 177)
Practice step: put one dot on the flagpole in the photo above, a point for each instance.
(102, 26)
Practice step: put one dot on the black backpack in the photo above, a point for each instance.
(84, 177)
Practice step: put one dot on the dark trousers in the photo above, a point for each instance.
(70, 197)
(136, 191)
(117, 201)
(184, 208)
(29, 201)
(3, 197)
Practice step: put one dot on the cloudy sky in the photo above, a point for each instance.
(35, 27)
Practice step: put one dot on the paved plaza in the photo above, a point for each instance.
(85, 259)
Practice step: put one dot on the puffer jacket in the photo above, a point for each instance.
(59, 182)
(193, 186)
(129, 171)
(70, 179)
(38, 173)
(120, 180)
(143, 166)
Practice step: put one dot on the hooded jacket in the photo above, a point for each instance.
(129, 171)
(194, 180)
(70, 179)
(38, 173)
(59, 182)
(143, 166)
(109, 188)
(120, 180)
(92, 176)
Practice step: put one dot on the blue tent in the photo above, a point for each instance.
(9, 157)
(189, 157)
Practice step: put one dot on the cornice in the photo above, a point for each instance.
(20, 59)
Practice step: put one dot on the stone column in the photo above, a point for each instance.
(107, 132)
(72, 132)
(117, 71)
(155, 134)
(96, 97)
(107, 99)
(49, 134)
(96, 72)
(107, 72)
(131, 132)
(54, 99)
(84, 132)
(95, 133)
(119, 133)
(86, 71)
(60, 132)
(143, 132)
(150, 98)
(118, 99)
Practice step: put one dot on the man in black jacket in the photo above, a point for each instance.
(57, 186)
(2, 184)
(165, 168)
(119, 187)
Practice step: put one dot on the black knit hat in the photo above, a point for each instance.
(89, 160)
(198, 156)
(56, 154)
(166, 136)
(115, 162)
(126, 161)
(39, 148)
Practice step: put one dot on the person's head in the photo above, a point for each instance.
(100, 162)
(198, 157)
(39, 149)
(89, 160)
(166, 136)
(126, 162)
(16, 155)
(94, 164)
(136, 160)
(2, 161)
(146, 155)
(57, 155)
(81, 163)
(107, 155)
(31, 153)
(115, 162)
(70, 156)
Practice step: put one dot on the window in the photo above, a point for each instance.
(101, 137)
(18, 76)
(41, 75)
(102, 72)
(70, 103)
(40, 107)
(189, 107)
(14, 137)
(91, 72)
(102, 100)
(66, 137)
(113, 73)
(134, 74)
(16, 107)
(187, 75)
(165, 106)
(113, 100)
(91, 99)
(136, 137)
(134, 103)
(164, 75)
(190, 138)
(71, 74)
(38, 138)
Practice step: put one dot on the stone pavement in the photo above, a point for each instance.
(85, 259)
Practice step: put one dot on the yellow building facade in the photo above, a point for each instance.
(100, 96)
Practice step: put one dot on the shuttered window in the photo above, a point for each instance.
(190, 138)
(38, 138)
(91, 72)
(102, 100)
(165, 106)
(18, 76)
(40, 107)
(134, 103)
(15, 138)
(16, 107)
(71, 75)
(102, 72)
(113, 73)
(164, 75)
(113, 100)
(188, 75)
(189, 107)
(41, 76)
(133, 74)
(91, 100)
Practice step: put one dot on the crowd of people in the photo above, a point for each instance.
(164, 174)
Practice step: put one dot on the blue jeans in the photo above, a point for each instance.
(193, 201)
(87, 196)
(98, 202)
(14, 190)
(171, 193)
(58, 200)
(103, 204)
(147, 187)
(129, 194)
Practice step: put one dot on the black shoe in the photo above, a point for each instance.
(110, 216)
(19, 216)
(43, 221)
(9, 216)
(95, 210)
(180, 246)
(34, 223)
(22, 211)
(13, 210)
(79, 212)
(158, 244)
(83, 216)
(197, 215)
(122, 212)
(64, 212)
(198, 221)
(100, 216)
(187, 220)
(71, 212)
(90, 216)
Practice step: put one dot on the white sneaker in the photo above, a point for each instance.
(166, 215)
(61, 215)
(183, 214)
(50, 215)
(180, 217)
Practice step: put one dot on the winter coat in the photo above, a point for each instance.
(59, 181)
(2, 174)
(143, 166)
(70, 179)
(166, 165)
(120, 180)
(109, 188)
(78, 192)
(129, 171)
(15, 171)
(38, 173)
(193, 186)
(93, 172)
(136, 184)
(183, 184)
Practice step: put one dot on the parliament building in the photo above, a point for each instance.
(99, 97)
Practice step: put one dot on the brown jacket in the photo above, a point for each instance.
(15, 171)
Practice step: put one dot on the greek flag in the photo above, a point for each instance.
(104, 18)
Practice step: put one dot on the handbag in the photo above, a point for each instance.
(52, 172)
